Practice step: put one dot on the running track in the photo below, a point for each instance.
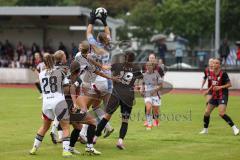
(174, 91)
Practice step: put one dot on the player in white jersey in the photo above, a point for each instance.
(152, 83)
(99, 53)
(102, 87)
(54, 104)
(89, 95)
(60, 63)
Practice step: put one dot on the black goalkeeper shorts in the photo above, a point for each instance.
(114, 103)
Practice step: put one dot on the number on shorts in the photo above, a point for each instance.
(53, 84)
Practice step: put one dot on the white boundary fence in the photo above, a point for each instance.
(183, 80)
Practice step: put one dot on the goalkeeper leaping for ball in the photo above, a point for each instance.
(99, 48)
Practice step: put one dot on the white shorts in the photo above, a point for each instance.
(155, 100)
(99, 88)
(58, 110)
(103, 86)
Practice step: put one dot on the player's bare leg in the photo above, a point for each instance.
(149, 115)
(66, 137)
(100, 113)
(40, 135)
(206, 118)
(84, 102)
(156, 116)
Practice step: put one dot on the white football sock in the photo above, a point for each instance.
(37, 141)
(66, 143)
(60, 135)
(83, 131)
(54, 126)
(234, 127)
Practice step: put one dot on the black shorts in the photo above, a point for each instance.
(217, 102)
(77, 116)
(114, 103)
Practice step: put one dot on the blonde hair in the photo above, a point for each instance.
(102, 37)
(48, 60)
(58, 55)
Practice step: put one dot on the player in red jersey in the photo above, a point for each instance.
(220, 83)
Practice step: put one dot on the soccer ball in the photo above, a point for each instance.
(99, 11)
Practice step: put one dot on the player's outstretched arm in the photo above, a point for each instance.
(104, 21)
(91, 23)
(115, 79)
(203, 83)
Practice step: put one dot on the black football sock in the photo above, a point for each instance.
(101, 126)
(123, 130)
(74, 137)
(90, 133)
(38, 87)
(228, 120)
(59, 127)
(206, 121)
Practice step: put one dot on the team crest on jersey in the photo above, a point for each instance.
(214, 82)
(218, 78)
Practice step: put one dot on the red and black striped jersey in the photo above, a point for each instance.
(208, 76)
(218, 80)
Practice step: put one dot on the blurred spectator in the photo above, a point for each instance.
(20, 50)
(23, 61)
(29, 57)
(47, 49)
(34, 49)
(74, 50)
(4, 62)
(1, 49)
(162, 49)
(238, 56)
(224, 51)
(9, 52)
(201, 54)
(63, 48)
(179, 55)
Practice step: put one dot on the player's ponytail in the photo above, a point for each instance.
(48, 60)
(58, 56)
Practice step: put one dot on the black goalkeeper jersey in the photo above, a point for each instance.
(128, 74)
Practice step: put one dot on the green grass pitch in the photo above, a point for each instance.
(176, 138)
